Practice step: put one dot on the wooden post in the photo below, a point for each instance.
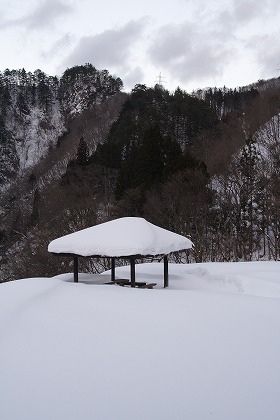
(113, 266)
(76, 269)
(132, 272)
(165, 271)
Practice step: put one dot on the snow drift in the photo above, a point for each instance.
(207, 347)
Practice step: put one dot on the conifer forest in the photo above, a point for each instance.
(77, 151)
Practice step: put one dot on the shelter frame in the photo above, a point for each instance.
(132, 259)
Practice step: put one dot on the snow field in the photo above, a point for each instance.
(93, 351)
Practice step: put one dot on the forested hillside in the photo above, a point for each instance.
(204, 164)
(41, 121)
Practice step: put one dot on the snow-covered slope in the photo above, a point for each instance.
(207, 347)
(35, 110)
(36, 134)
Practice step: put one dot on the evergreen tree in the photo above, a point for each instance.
(35, 214)
(143, 164)
(151, 157)
(22, 104)
(129, 176)
(248, 167)
(82, 156)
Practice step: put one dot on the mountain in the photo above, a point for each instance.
(41, 121)
(76, 151)
(36, 109)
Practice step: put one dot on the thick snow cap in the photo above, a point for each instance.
(121, 237)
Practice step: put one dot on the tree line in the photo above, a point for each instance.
(153, 164)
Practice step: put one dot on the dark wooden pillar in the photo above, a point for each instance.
(132, 272)
(165, 271)
(76, 267)
(113, 269)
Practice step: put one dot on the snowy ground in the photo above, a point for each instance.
(208, 347)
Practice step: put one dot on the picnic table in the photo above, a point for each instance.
(140, 284)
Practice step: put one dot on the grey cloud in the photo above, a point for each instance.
(189, 54)
(266, 51)
(245, 11)
(133, 77)
(59, 46)
(239, 13)
(43, 16)
(110, 48)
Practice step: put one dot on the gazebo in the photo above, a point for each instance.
(125, 238)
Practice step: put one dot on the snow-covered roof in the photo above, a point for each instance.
(121, 237)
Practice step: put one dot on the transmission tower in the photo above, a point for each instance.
(160, 80)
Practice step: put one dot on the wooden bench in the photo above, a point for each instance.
(150, 285)
(123, 282)
(140, 284)
(120, 282)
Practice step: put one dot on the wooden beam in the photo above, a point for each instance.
(76, 267)
(165, 270)
(113, 269)
(132, 272)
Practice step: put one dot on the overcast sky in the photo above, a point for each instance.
(191, 43)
